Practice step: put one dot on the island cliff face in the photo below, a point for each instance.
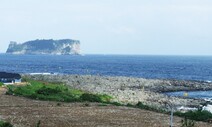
(55, 47)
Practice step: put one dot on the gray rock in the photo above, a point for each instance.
(131, 90)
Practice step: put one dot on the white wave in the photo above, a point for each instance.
(207, 108)
(208, 99)
(184, 109)
(42, 73)
(208, 81)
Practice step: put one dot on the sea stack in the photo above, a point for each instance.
(54, 47)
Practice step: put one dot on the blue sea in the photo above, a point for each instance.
(197, 68)
(160, 67)
(192, 94)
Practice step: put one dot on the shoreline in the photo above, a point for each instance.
(157, 85)
(43, 110)
(164, 79)
(132, 90)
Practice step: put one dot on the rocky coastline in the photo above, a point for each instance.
(132, 90)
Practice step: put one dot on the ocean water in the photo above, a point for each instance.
(160, 67)
(193, 94)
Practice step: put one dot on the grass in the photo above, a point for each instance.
(5, 124)
(55, 92)
(1, 84)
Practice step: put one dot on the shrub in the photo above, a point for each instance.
(38, 123)
(48, 91)
(187, 123)
(196, 115)
(90, 97)
(105, 98)
(130, 105)
(148, 107)
(95, 98)
(58, 104)
(86, 105)
(5, 124)
(116, 104)
(142, 106)
(10, 90)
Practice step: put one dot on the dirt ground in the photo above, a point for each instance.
(23, 112)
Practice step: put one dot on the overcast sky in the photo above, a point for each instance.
(157, 27)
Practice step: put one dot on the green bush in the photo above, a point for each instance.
(117, 104)
(5, 124)
(142, 106)
(151, 108)
(196, 115)
(95, 98)
(90, 97)
(105, 98)
(48, 91)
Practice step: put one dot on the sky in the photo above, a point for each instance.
(142, 27)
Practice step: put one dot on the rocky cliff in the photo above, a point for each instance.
(56, 47)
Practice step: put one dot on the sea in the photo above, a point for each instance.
(197, 68)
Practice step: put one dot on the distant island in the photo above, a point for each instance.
(55, 47)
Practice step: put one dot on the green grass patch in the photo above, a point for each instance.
(1, 84)
(55, 92)
(5, 124)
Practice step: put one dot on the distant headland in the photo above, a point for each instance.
(50, 46)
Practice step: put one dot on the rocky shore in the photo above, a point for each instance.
(132, 90)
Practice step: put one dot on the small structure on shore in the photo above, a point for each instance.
(10, 78)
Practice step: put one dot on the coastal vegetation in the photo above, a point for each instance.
(5, 124)
(1, 84)
(189, 116)
(199, 115)
(55, 92)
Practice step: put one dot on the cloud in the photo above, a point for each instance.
(123, 30)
